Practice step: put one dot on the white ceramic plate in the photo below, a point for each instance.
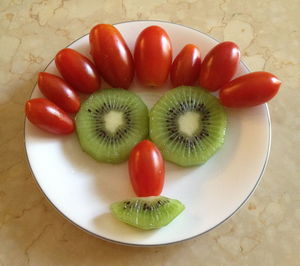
(82, 189)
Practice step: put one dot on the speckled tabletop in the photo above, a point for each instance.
(266, 231)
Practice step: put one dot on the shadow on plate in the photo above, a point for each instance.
(116, 229)
(109, 181)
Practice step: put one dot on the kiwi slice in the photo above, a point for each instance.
(110, 123)
(148, 212)
(188, 125)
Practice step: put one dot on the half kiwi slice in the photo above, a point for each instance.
(188, 125)
(110, 123)
(148, 212)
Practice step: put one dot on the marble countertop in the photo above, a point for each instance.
(266, 231)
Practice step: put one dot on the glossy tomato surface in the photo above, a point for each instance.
(250, 90)
(111, 55)
(146, 169)
(153, 56)
(59, 92)
(185, 69)
(77, 70)
(219, 65)
(48, 116)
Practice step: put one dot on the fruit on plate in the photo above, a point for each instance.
(250, 90)
(219, 65)
(147, 213)
(188, 125)
(110, 123)
(59, 92)
(48, 116)
(146, 169)
(153, 56)
(78, 70)
(111, 55)
(186, 67)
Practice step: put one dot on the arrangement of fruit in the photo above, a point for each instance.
(186, 126)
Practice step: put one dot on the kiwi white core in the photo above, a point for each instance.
(113, 120)
(189, 123)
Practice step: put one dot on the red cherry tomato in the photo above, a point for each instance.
(249, 90)
(219, 65)
(77, 70)
(111, 55)
(146, 169)
(59, 92)
(153, 56)
(48, 116)
(186, 67)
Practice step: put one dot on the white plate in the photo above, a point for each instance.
(82, 189)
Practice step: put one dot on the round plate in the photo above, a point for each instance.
(82, 189)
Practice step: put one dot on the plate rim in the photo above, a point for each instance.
(171, 242)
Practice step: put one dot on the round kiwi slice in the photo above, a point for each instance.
(110, 123)
(188, 125)
(148, 212)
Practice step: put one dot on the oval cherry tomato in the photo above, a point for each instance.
(77, 70)
(219, 65)
(186, 67)
(146, 169)
(153, 56)
(48, 116)
(249, 90)
(111, 55)
(59, 92)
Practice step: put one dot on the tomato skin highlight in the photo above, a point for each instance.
(186, 66)
(77, 70)
(153, 56)
(146, 169)
(59, 92)
(249, 90)
(48, 116)
(219, 65)
(111, 55)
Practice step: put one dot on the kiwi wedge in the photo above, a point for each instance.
(147, 213)
(188, 125)
(110, 123)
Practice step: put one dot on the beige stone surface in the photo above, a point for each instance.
(266, 231)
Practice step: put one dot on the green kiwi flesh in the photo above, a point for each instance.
(110, 123)
(148, 212)
(188, 125)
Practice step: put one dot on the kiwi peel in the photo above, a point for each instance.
(188, 125)
(110, 123)
(147, 212)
